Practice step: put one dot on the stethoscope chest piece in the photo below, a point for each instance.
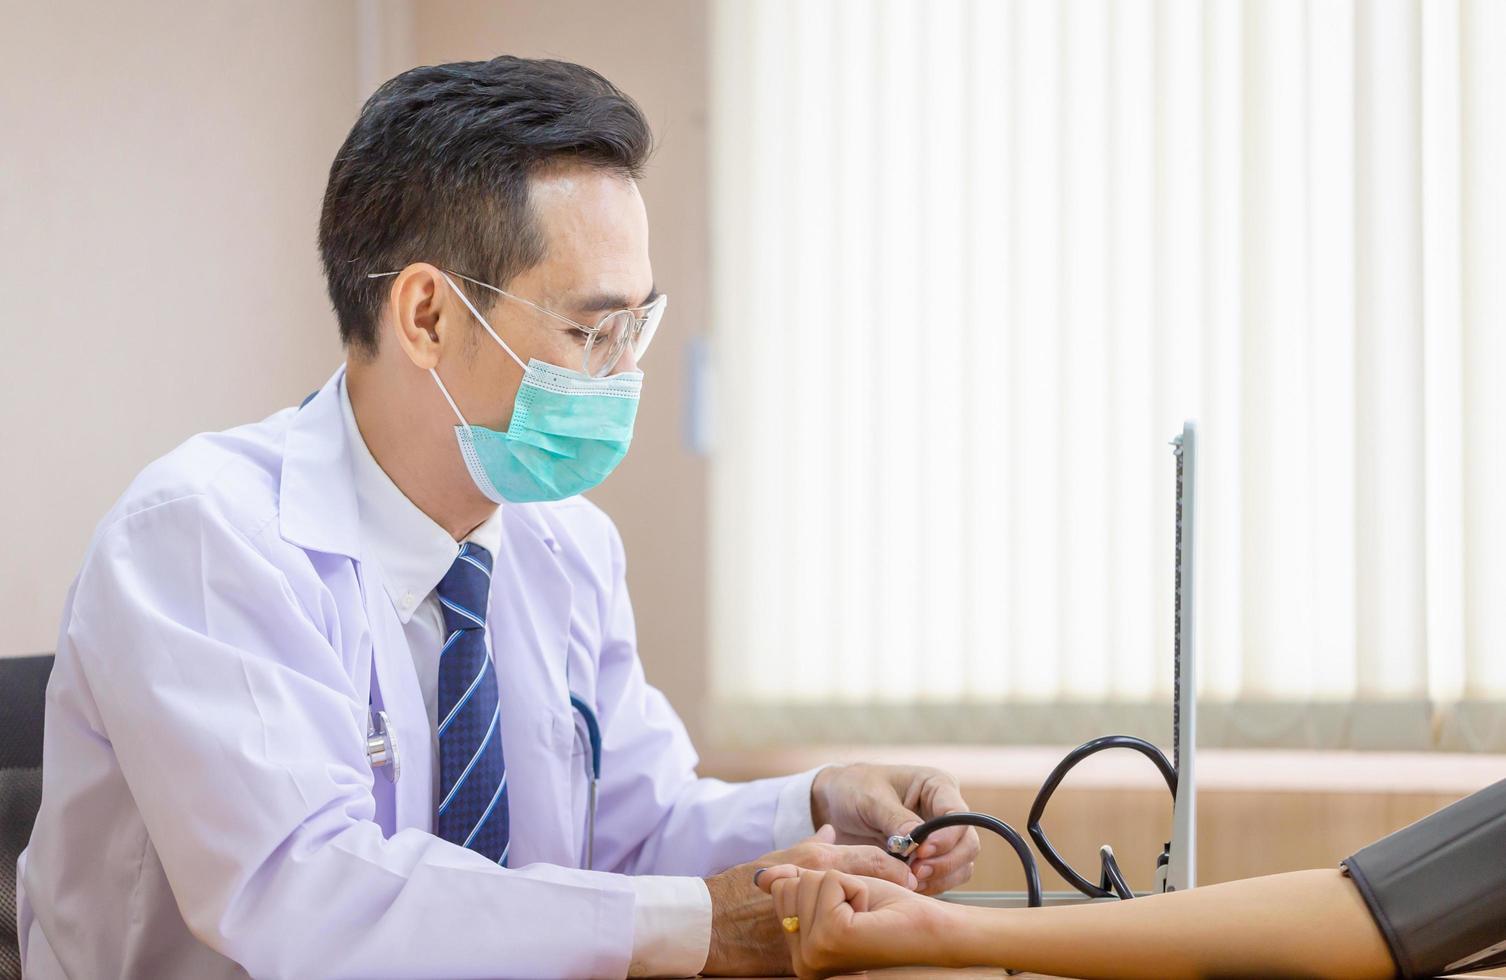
(901, 846)
(381, 745)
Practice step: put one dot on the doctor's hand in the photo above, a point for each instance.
(844, 923)
(866, 804)
(745, 936)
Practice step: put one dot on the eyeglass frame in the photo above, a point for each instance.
(640, 333)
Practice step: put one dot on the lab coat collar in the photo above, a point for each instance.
(317, 507)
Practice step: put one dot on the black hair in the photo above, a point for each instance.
(437, 168)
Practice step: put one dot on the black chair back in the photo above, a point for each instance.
(23, 693)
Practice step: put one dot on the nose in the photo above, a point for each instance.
(627, 362)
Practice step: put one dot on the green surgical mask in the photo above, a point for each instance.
(568, 430)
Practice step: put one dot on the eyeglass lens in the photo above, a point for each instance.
(608, 342)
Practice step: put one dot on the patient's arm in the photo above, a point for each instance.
(1305, 923)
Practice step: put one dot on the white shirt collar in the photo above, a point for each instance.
(413, 551)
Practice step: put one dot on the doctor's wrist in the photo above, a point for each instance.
(820, 804)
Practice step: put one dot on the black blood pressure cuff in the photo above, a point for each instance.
(1437, 889)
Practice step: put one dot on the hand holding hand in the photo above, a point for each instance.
(841, 923)
(745, 936)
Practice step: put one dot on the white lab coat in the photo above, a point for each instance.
(208, 807)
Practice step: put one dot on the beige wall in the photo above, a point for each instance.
(161, 166)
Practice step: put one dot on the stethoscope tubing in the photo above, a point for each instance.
(1004, 830)
(593, 772)
(1113, 884)
(1113, 877)
(382, 753)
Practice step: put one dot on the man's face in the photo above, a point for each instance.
(596, 261)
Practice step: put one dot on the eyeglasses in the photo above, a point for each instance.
(605, 342)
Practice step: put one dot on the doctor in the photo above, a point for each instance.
(408, 550)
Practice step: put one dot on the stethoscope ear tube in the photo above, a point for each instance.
(1113, 878)
(593, 772)
(1004, 830)
(1112, 884)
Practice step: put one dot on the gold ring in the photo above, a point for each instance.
(791, 923)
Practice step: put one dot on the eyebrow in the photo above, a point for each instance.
(604, 302)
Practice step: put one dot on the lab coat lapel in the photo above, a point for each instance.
(529, 623)
(318, 512)
(317, 492)
(398, 694)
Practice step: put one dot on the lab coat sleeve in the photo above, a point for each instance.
(656, 815)
(237, 727)
(792, 813)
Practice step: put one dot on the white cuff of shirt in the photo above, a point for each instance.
(792, 812)
(671, 926)
(672, 915)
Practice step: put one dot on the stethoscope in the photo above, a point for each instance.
(1111, 881)
(590, 729)
(382, 753)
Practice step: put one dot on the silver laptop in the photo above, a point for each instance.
(1178, 868)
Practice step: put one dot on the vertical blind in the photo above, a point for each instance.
(976, 261)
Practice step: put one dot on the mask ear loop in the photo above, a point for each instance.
(482, 320)
(479, 318)
(453, 407)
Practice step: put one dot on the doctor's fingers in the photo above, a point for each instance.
(937, 884)
(947, 861)
(871, 862)
(962, 840)
(940, 795)
(936, 795)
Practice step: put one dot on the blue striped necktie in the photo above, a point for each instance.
(472, 776)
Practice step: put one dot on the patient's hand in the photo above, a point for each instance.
(745, 935)
(849, 923)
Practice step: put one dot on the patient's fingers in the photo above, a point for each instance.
(805, 901)
(783, 890)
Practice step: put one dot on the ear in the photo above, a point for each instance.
(424, 319)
